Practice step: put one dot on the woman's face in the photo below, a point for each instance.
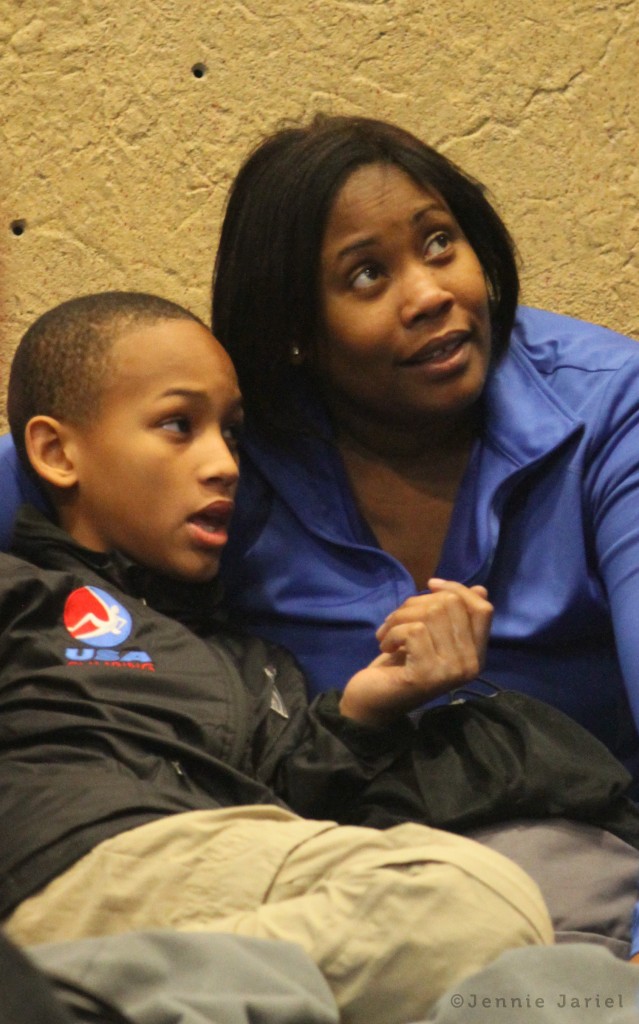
(404, 337)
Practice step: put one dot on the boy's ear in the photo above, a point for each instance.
(49, 445)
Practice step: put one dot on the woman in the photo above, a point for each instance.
(407, 421)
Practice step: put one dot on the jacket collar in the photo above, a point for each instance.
(524, 418)
(41, 542)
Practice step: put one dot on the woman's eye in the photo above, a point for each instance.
(437, 244)
(366, 277)
(177, 425)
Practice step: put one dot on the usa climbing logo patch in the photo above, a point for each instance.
(96, 618)
(101, 624)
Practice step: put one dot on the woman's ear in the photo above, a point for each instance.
(296, 355)
(49, 445)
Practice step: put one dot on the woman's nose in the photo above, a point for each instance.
(424, 294)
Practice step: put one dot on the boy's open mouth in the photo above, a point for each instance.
(210, 524)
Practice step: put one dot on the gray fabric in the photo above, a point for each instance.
(188, 978)
(570, 984)
(589, 878)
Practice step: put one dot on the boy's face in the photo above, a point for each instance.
(157, 467)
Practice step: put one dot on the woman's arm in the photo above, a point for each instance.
(612, 490)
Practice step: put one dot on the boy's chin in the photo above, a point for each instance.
(206, 575)
(203, 573)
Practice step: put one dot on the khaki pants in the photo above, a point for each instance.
(391, 918)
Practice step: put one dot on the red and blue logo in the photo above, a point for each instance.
(96, 618)
(102, 625)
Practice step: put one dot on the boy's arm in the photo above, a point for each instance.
(430, 645)
(322, 758)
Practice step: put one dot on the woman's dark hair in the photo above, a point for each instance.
(265, 283)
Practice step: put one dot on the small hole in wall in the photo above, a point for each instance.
(199, 70)
(18, 227)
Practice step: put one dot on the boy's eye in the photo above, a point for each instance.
(437, 244)
(176, 425)
(232, 434)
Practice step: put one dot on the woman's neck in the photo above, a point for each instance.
(405, 485)
(404, 446)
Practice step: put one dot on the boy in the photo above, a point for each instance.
(150, 756)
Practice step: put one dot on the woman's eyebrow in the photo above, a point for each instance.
(433, 207)
(361, 243)
(365, 243)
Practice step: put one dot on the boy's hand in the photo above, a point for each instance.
(430, 644)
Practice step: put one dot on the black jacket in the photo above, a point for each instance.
(124, 698)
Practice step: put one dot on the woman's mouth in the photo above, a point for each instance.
(438, 350)
(440, 357)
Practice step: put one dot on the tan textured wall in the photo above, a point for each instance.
(115, 157)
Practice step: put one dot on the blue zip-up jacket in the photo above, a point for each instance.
(547, 518)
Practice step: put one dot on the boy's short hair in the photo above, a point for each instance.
(61, 364)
